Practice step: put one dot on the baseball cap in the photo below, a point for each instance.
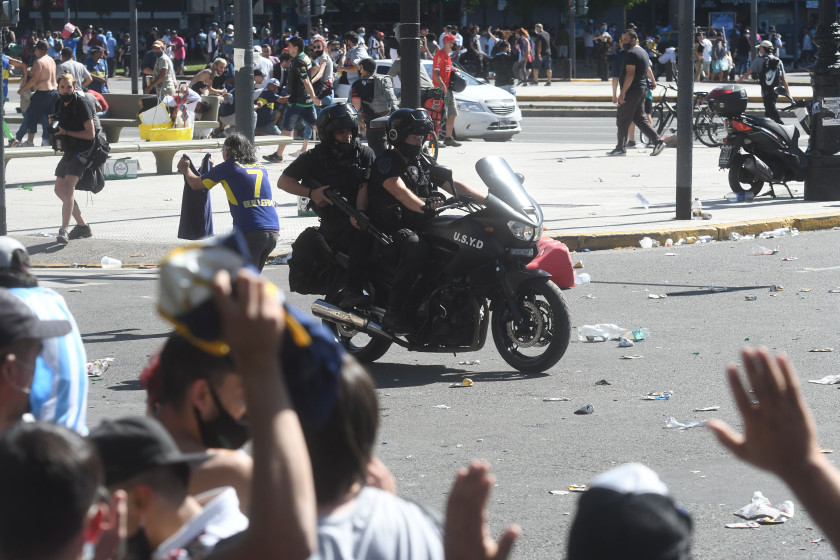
(766, 44)
(447, 38)
(214, 24)
(274, 82)
(134, 445)
(18, 322)
(257, 49)
(628, 513)
(230, 26)
(8, 246)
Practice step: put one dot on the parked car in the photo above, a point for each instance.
(484, 111)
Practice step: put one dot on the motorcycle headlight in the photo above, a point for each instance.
(470, 107)
(523, 231)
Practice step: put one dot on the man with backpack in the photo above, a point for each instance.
(771, 74)
(372, 95)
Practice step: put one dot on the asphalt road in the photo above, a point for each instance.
(536, 446)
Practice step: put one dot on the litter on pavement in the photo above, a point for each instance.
(659, 396)
(558, 492)
(578, 487)
(821, 350)
(603, 382)
(585, 409)
(750, 525)
(827, 380)
(750, 297)
(706, 409)
(765, 251)
(600, 332)
(633, 357)
(97, 368)
(442, 406)
(625, 343)
(469, 363)
(556, 399)
(760, 509)
(657, 296)
(672, 422)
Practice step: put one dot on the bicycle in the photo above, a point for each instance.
(708, 127)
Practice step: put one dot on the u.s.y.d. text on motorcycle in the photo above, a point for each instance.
(758, 150)
(477, 280)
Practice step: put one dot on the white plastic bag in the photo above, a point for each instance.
(158, 114)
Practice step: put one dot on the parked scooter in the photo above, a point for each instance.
(758, 150)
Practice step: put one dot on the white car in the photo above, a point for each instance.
(484, 111)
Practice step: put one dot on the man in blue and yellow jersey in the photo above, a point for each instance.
(248, 192)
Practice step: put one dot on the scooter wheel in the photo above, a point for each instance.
(741, 180)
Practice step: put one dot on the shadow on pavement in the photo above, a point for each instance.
(127, 385)
(122, 335)
(388, 376)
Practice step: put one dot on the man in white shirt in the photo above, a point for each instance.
(707, 55)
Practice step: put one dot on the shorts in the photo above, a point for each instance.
(451, 104)
(269, 128)
(544, 63)
(707, 64)
(69, 164)
(294, 114)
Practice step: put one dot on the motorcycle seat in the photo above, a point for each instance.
(788, 132)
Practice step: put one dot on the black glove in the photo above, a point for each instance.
(427, 210)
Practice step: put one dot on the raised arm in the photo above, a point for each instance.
(780, 436)
(283, 518)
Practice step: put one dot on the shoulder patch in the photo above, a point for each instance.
(384, 163)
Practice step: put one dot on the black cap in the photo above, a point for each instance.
(628, 513)
(18, 322)
(134, 445)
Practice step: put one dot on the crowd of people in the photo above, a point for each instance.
(176, 483)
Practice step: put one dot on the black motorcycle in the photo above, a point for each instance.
(477, 281)
(758, 150)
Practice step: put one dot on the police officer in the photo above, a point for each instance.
(341, 163)
(401, 200)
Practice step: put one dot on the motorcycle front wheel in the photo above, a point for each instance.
(741, 180)
(541, 339)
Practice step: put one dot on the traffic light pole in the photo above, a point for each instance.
(3, 230)
(243, 41)
(572, 42)
(410, 53)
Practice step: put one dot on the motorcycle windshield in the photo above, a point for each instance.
(505, 186)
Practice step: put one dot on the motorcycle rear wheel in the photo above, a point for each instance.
(542, 339)
(741, 180)
(363, 347)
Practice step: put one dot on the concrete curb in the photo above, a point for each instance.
(613, 240)
(719, 232)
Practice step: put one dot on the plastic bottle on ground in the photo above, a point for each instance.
(582, 278)
(696, 209)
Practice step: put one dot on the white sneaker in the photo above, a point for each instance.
(296, 154)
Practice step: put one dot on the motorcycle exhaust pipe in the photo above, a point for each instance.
(758, 169)
(335, 314)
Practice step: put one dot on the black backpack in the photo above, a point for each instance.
(770, 76)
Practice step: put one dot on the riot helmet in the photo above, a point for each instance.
(405, 122)
(336, 117)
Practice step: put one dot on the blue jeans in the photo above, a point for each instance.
(294, 114)
(41, 106)
(510, 89)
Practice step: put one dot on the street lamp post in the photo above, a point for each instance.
(824, 144)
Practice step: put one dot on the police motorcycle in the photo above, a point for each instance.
(758, 150)
(477, 281)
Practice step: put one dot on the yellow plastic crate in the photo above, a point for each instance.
(146, 129)
(164, 134)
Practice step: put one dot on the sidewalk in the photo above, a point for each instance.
(588, 199)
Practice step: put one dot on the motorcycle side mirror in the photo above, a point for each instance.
(781, 91)
(521, 177)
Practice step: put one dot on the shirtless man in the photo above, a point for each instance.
(43, 101)
(211, 76)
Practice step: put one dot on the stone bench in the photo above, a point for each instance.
(164, 152)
